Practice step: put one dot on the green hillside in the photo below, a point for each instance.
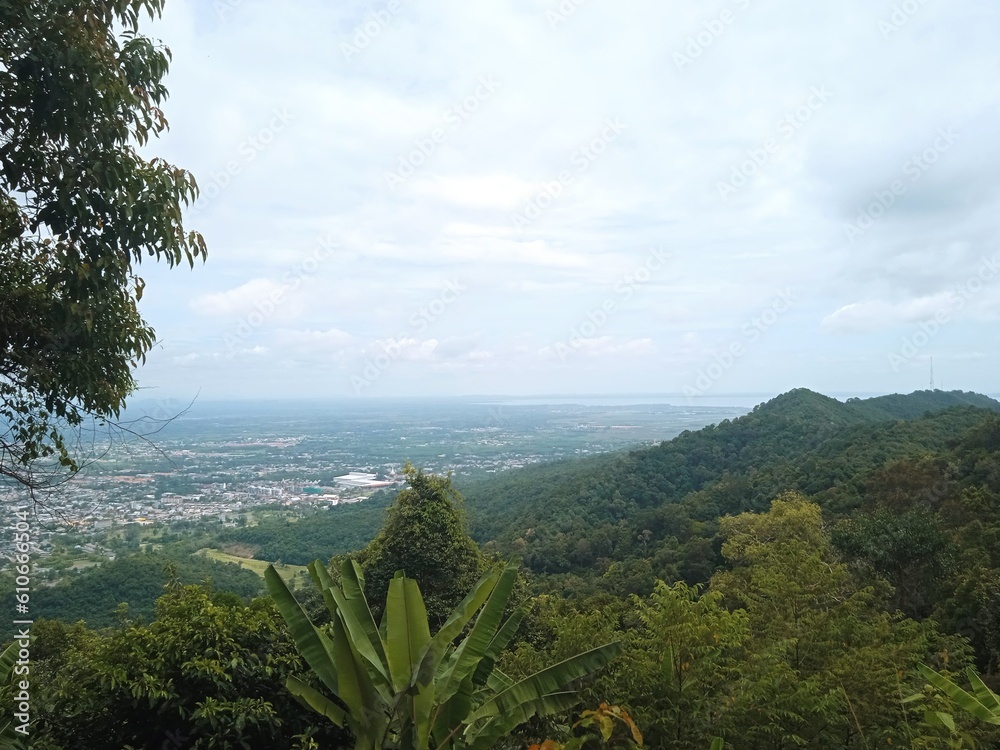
(800, 440)
(138, 580)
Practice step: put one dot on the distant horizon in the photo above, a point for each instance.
(707, 400)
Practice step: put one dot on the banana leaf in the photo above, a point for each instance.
(314, 646)
(962, 699)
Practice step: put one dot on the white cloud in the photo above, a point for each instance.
(877, 315)
(655, 185)
(239, 300)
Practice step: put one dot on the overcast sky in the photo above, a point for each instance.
(523, 197)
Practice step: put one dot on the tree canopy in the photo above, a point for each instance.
(424, 536)
(80, 207)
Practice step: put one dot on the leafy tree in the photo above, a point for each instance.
(908, 548)
(396, 686)
(823, 657)
(687, 655)
(208, 672)
(424, 536)
(80, 90)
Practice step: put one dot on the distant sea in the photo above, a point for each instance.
(747, 401)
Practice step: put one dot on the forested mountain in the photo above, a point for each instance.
(569, 516)
(911, 501)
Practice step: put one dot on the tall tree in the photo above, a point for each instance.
(824, 660)
(80, 92)
(424, 536)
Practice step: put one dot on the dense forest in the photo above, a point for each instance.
(775, 581)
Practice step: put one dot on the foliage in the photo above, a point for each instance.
(601, 724)
(660, 505)
(982, 702)
(208, 672)
(823, 656)
(424, 536)
(9, 737)
(343, 529)
(773, 618)
(786, 648)
(136, 580)
(397, 686)
(80, 89)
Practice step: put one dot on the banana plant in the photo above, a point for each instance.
(982, 702)
(394, 685)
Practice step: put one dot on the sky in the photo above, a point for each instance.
(578, 196)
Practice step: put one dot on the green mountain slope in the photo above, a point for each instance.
(94, 595)
(568, 517)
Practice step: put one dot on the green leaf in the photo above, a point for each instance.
(354, 686)
(946, 719)
(497, 645)
(315, 647)
(962, 699)
(407, 637)
(315, 700)
(983, 694)
(7, 660)
(483, 734)
(541, 692)
(407, 631)
(353, 609)
(475, 645)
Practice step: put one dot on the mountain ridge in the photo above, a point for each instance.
(800, 440)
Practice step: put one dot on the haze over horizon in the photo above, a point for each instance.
(553, 197)
(166, 408)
